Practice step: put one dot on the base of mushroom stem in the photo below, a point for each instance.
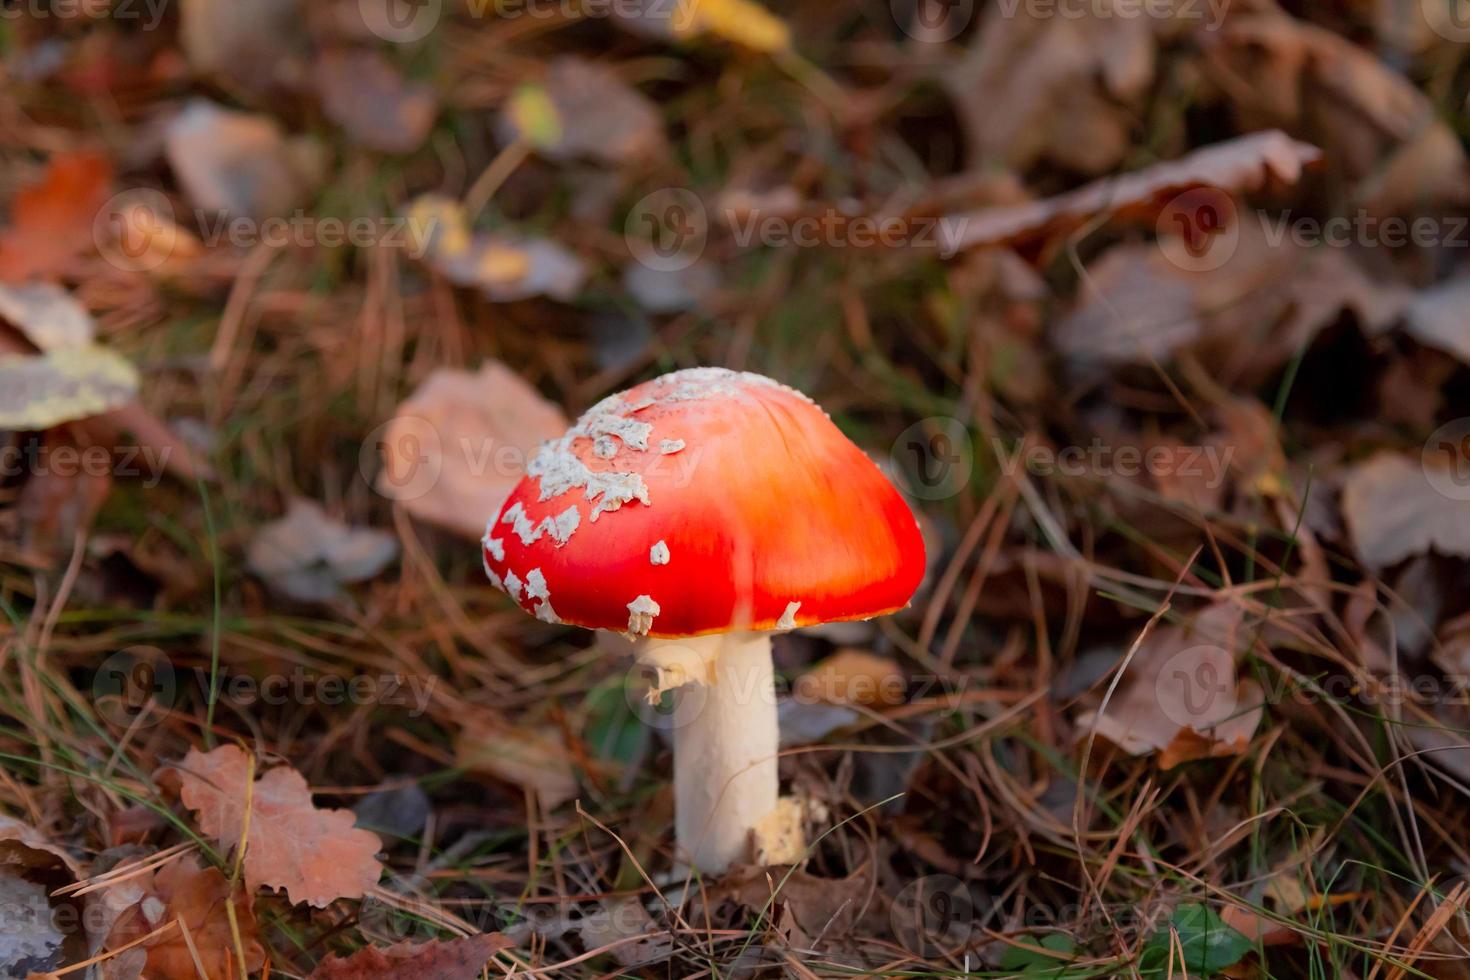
(726, 740)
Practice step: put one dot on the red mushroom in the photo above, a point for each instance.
(704, 510)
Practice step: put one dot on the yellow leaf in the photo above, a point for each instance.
(502, 264)
(63, 386)
(439, 223)
(742, 21)
(533, 113)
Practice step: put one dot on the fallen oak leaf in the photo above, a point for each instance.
(316, 856)
(200, 899)
(1245, 163)
(456, 959)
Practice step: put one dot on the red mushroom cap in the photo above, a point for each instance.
(704, 501)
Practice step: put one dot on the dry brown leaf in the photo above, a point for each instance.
(32, 938)
(250, 44)
(455, 959)
(532, 758)
(25, 848)
(1440, 318)
(1180, 696)
(1257, 928)
(317, 856)
(58, 502)
(51, 221)
(1396, 507)
(853, 676)
(454, 450)
(1136, 307)
(366, 95)
(135, 425)
(199, 898)
(237, 163)
(598, 116)
(1031, 80)
(309, 555)
(1371, 121)
(1442, 738)
(1246, 163)
(1267, 300)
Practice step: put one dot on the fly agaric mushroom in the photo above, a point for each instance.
(704, 510)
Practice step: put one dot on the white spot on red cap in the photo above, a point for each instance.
(495, 546)
(670, 446)
(536, 585)
(640, 615)
(520, 524)
(561, 527)
(659, 553)
(788, 618)
(513, 585)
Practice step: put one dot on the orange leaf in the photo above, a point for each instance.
(458, 959)
(51, 222)
(317, 856)
(197, 897)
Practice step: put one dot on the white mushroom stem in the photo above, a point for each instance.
(725, 742)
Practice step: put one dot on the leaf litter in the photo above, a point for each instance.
(1287, 732)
